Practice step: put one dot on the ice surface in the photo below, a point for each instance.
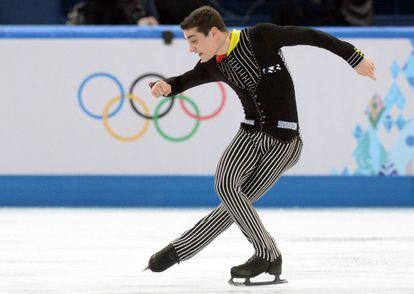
(104, 251)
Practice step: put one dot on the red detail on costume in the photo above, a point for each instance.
(219, 58)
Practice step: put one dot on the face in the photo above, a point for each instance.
(204, 46)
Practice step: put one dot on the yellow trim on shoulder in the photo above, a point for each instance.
(235, 37)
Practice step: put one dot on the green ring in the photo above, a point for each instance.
(161, 132)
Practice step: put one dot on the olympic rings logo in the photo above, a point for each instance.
(142, 110)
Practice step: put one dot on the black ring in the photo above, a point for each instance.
(132, 102)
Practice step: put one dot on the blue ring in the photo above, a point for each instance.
(106, 75)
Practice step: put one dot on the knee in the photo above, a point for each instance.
(219, 186)
(224, 186)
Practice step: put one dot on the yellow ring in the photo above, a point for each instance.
(115, 135)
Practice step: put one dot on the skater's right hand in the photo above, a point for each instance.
(160, 88)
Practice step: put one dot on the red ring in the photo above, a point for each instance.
(215, 113)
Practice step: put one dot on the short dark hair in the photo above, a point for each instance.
(204, 18)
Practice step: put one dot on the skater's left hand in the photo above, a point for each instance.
(366, 68)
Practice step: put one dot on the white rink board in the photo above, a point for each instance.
(45, 131)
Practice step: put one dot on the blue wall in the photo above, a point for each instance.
(192, 191)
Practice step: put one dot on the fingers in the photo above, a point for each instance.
(372, 65)
(371, 74)
(366, 68)
(166, 89)
(160, 88)
(371, 70)
(157, 91)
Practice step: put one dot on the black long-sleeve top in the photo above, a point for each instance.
(256, 71)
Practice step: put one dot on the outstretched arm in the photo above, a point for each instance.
(277, 37)
(175, 85)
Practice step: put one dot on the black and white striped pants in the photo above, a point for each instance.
(249, 167)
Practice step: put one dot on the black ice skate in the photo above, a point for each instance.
(254, 267)
(163, 259)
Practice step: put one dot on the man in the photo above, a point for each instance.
(268, 142)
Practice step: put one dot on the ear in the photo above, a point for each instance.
(214, 31)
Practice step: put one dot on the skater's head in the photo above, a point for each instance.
(205, 32)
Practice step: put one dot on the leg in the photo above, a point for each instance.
(204, 231)
(278, 158)
(208, 228)
(233, 170)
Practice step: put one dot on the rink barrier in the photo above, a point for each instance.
(198, 191)
(193, 191)
(155, 32)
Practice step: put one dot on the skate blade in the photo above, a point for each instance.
(248, 282)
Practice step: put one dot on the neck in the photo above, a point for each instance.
(224, 45)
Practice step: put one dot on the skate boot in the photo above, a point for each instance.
(254, 267)
(163, 259)
(275, 267)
